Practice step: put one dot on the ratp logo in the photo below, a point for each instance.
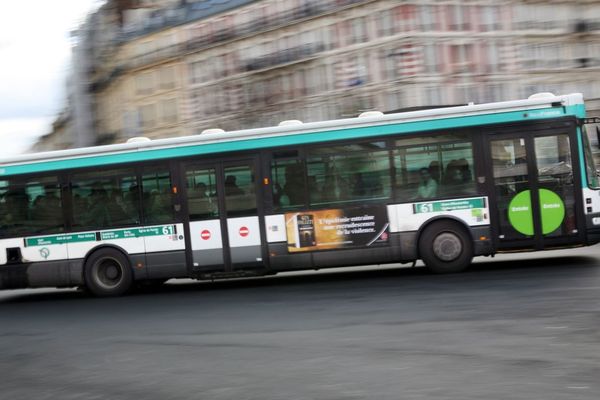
(45, 252)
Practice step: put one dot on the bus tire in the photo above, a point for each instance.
(108, 273)
(446, 247)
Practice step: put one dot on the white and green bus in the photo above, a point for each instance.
(442, 185)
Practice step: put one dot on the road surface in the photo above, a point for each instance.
(521, 326)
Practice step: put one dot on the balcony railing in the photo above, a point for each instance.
(284, 56)
(262, 24)
(153, 56)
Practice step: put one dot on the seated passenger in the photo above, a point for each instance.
(358, 185)
(427, 186)
(231, 188)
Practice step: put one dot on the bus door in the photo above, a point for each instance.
(240, 197)
(224, 227)
(532, 181)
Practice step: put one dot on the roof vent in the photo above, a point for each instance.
(290, 122)
(367, 114)
(212, 130)
(543, 95)
(138, 139)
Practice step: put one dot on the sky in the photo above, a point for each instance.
(35, 50)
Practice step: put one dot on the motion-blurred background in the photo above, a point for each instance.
(166, 68)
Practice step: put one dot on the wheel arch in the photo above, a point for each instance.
(101, 247)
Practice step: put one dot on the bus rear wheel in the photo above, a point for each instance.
(108, 273)
(446, 247)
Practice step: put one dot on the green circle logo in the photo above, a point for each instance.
(519, 213)
(552, 210)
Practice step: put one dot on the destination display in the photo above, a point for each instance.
(336, 228)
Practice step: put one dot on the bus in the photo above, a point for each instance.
(441, 185)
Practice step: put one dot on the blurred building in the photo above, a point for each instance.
(60, 136)
(174, 68)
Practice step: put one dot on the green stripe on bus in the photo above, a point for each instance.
(128, 233)
(60, 239)
(295, 139)
(137, 232)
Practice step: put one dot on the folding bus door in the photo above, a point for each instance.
(241, 203)
(225, 232)
(533, 179)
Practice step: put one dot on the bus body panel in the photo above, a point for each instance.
(207, 244)
(411, 216)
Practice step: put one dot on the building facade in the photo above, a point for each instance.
(233, 64)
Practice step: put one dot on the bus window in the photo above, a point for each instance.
(240, 198)
(105, 199)
(349, 173)
(289, 189)
(201, 193)
(156, 197)
(33, 206)
(433, 167)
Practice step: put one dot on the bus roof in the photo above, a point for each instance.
(544, 105)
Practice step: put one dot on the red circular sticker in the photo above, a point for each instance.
(205, 234)
(244, 231)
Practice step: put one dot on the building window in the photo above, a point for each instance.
(358, 30)
(147, 114)
(167, 77)
(144, 83)
(385, 23)
(169, 110)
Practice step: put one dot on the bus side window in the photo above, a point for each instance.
(434, 166)
(201, 193)
(30, 207)
(349, 173)
(104, 199)
(156, 195)
(14, 208)
(288, 184)
(239, 185)
(458, 178)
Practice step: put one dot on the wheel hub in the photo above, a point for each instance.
(107, 273)
(111, 272)
(447, 246)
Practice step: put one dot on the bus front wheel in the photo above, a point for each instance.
(108, 273)
(446, 247)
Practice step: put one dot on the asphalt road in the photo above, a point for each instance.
(513, 327)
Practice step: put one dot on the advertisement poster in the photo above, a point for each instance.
(336, 228)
